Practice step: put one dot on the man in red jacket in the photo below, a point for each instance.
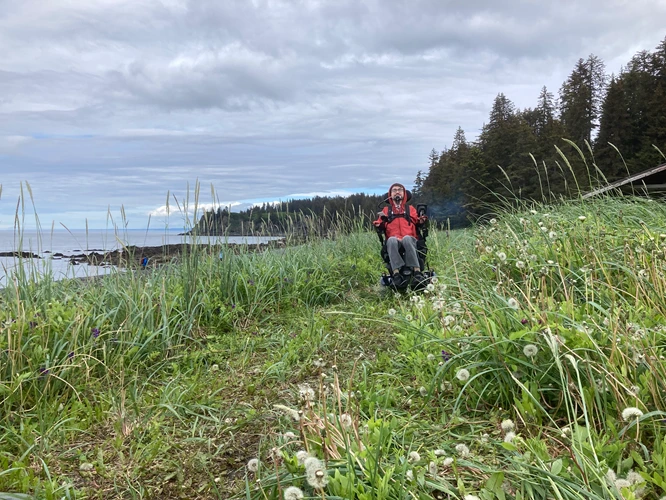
(400, 231)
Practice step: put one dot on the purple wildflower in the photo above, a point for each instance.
(43, 372)
(32, 324)
(524, 321)
(95, 332)
(446, 355)
(70, 355)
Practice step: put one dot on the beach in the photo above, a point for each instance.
(80, 253)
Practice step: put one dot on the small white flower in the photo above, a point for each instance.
(513, 303)
(439, 453)
(434, 280)
(533, 212)
(293, 493)
(253, 465)
(471, 497)
(448, 320)
(414, 456)
(430, 287)
(214, 368)
(520, 264)
(501, 256)
(289, 435)
(507, 425)
(391, 312)
(489, 249)
(510, 436)
(409, 475)
(552, 234)
(462, 450)
(631, 413)
(581, 217)
(431, 357)
(432, 468)
(530, 350)
(447, 461)
(408, 317)
(462, 375)
(493, 221)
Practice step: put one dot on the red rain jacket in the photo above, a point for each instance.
(399, 227)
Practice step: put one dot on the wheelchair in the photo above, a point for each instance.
(387, 279)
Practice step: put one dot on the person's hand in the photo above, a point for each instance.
(422, 219)
(376, 223)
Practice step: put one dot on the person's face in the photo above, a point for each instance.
(397, 190)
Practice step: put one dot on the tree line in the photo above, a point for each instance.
(598, 129)
(318, 216)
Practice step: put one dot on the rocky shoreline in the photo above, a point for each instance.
(144, 256)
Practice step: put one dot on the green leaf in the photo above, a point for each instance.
(556, 466)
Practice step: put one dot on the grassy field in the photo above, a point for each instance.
(533, 368)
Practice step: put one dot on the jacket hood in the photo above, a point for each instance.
(408, 195)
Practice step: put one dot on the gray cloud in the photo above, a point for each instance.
(119, 102)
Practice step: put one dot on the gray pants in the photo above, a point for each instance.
(411, 260)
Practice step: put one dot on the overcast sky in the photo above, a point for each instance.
(111, 103)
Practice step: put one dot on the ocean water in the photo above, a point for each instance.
(46, 244)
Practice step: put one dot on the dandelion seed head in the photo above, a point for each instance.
(288, 411)
(409, 475)
(439, 453)
(622, 483)
(432, 468)
(510, 436)
(520, 264)
(306, 393)
(507, 425)
(345, 420)
(414, 456)
(513, 303)
(253, 465)
(447, 461)
(631, 413)
(530, 350)
(610, 476)
(293, 493)
(634, 477)
(501, 256)
(391, 312)
(301, 455)
(462, 449)
(581, 217)
(471, 497)
(462, 375)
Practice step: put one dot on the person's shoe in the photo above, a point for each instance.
(399, 281)
(419, 280)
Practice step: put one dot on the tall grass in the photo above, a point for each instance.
(533, 368)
